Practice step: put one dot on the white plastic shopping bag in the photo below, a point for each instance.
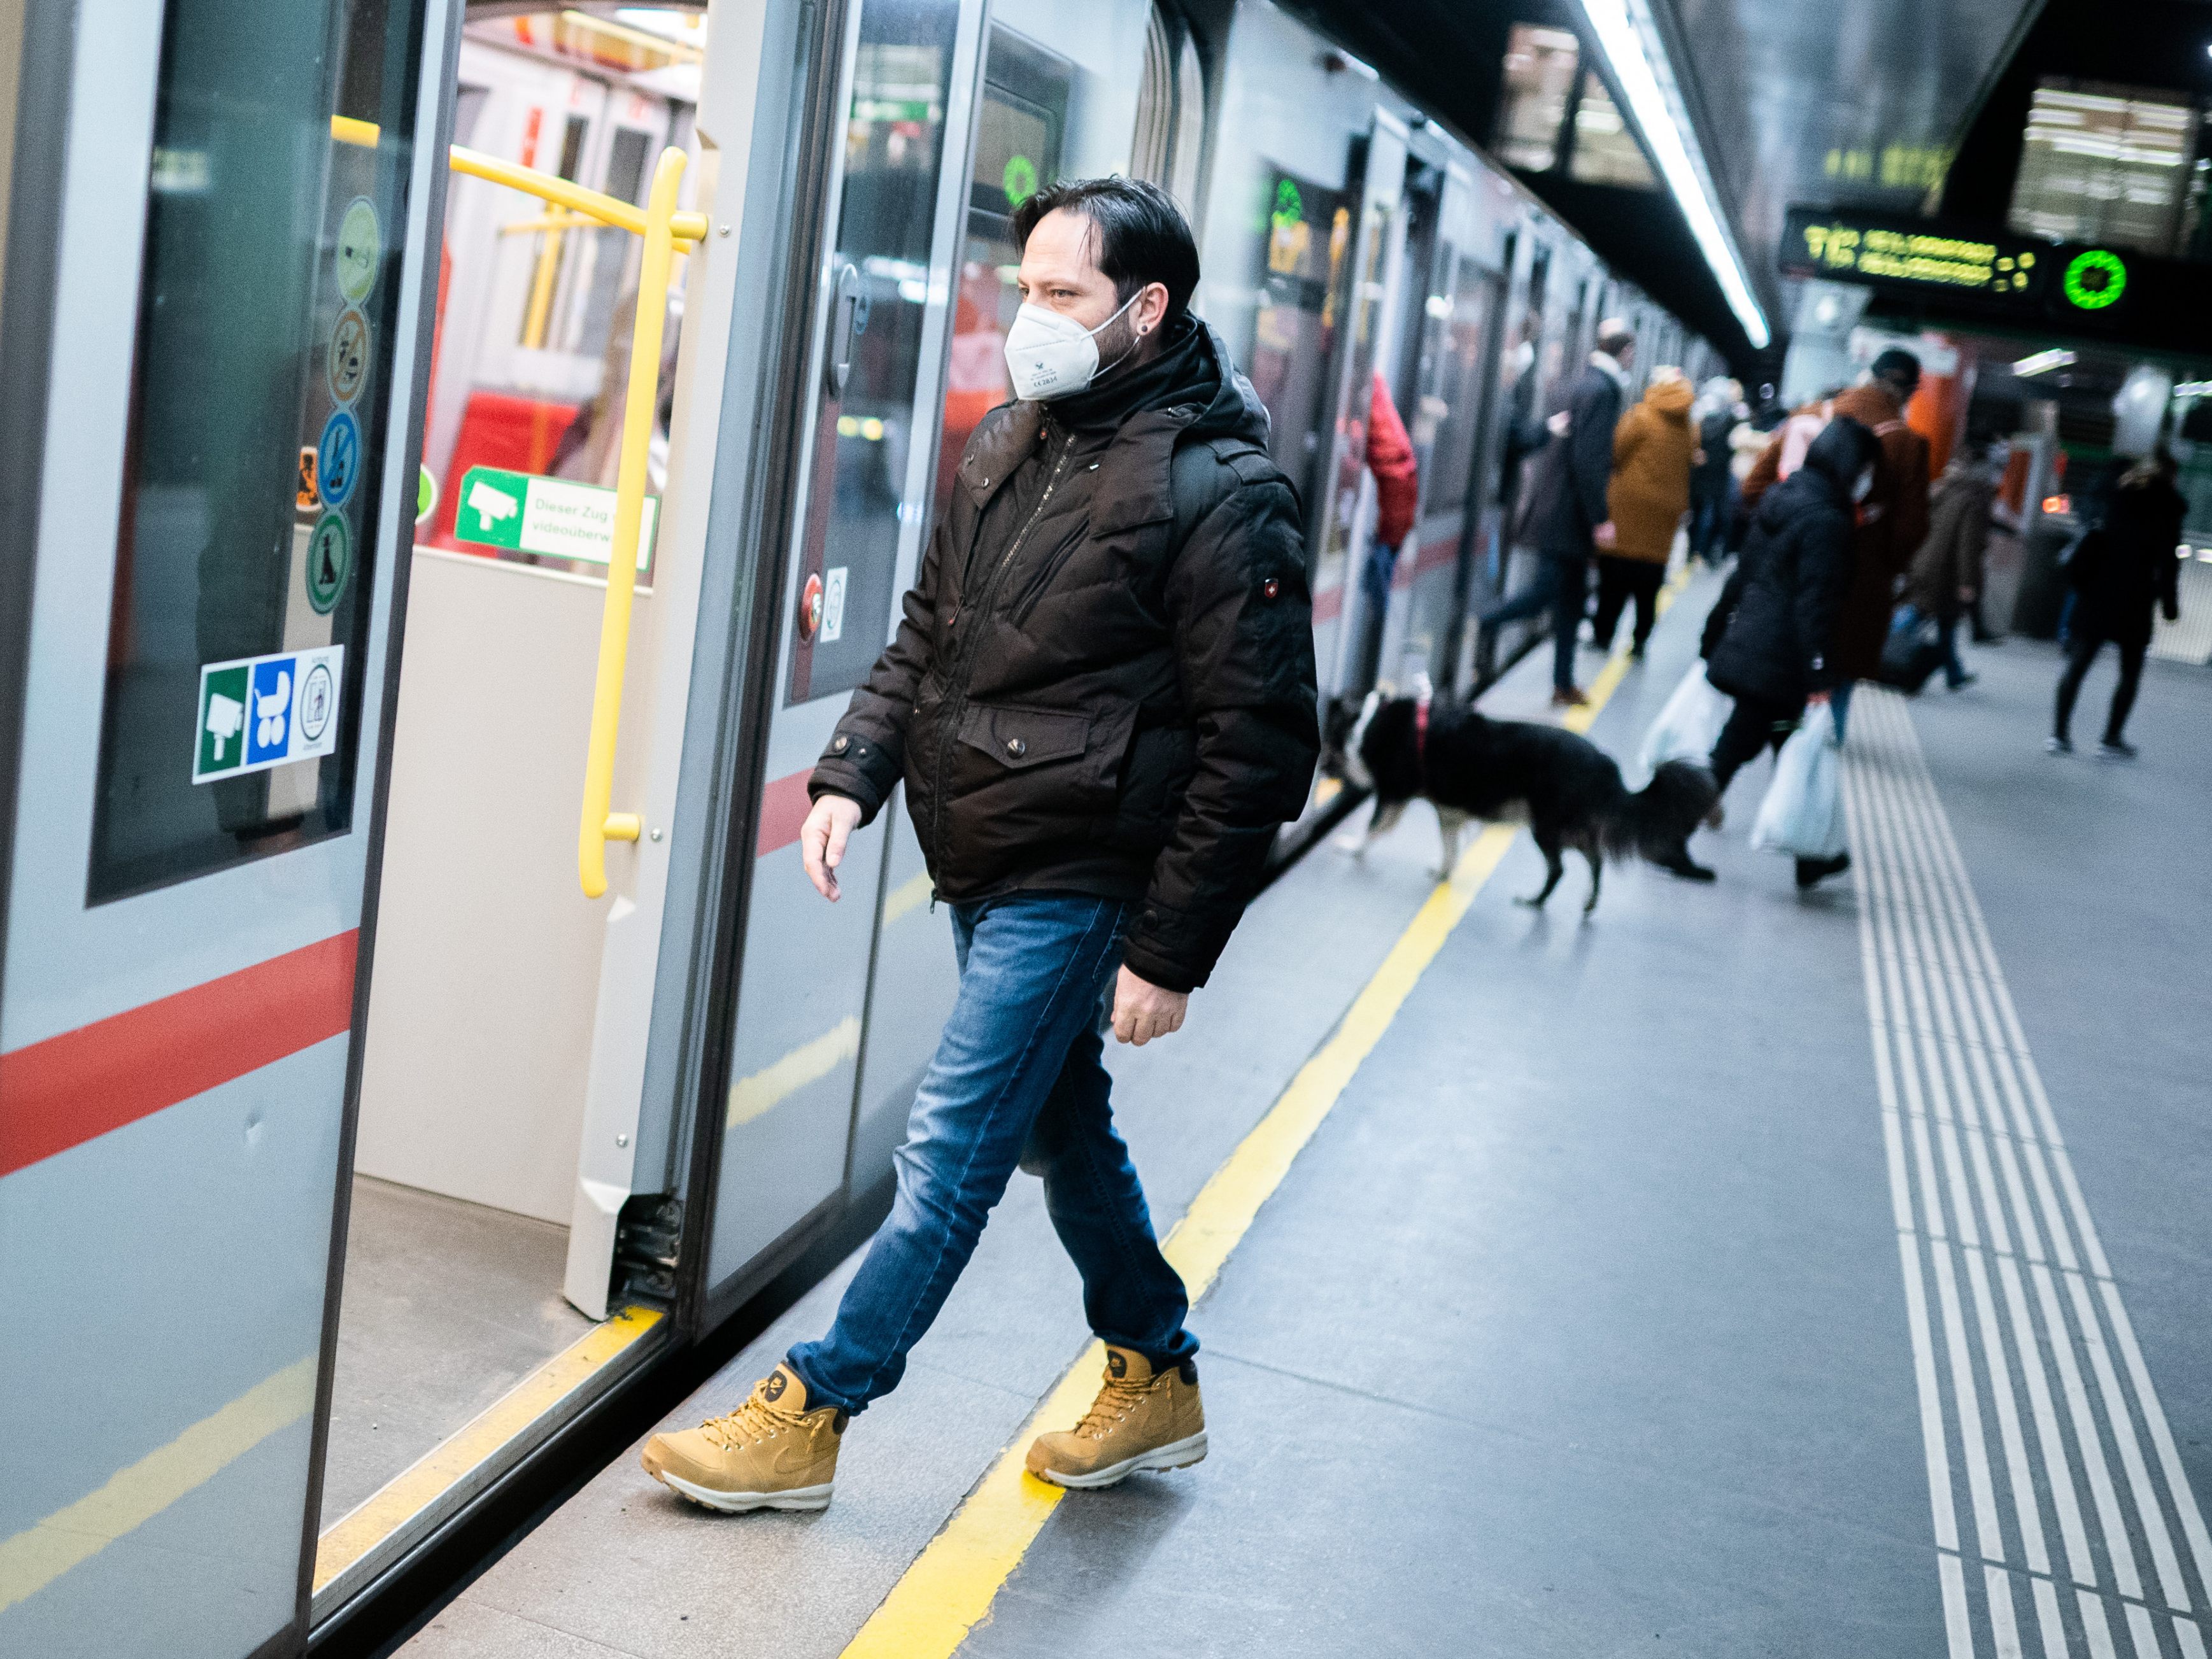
(1689, 726)
(1803, 812)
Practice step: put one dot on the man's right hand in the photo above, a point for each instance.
(821, 841)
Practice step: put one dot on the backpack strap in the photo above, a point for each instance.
(1203, 475)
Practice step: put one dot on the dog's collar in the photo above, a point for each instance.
(1421, 741)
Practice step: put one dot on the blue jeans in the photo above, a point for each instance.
(1016, 1079)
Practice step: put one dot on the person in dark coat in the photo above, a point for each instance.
(1712, 483)
(1946, 575)
(1769, 640)
(1566, 512)
(1891, 522)
(1101, 703)
(2124, 568)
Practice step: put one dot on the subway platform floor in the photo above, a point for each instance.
(1738, 1272)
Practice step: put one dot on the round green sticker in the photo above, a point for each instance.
(1020, 180)
(361, 246)
(330, 561)
(2095, 279)
(426, 494)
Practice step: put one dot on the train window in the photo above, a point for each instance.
(1018, 133)
(1461, 331)
(256, 437)
(613, 252)
(1309, 237)
(894, 141)
(1539, 78)
(1171, 109)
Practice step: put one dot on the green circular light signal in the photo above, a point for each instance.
(2094, 280)
(1020, 180)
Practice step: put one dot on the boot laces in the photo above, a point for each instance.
(749, 1423)
(1117, 1400)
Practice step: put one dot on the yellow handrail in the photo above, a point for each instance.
(607, 210)
(663, 227)
(599, 825)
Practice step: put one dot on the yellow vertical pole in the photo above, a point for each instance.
(599, 825)
(541, 290)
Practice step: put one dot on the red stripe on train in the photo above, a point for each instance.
(79, 1085)
(784, 807)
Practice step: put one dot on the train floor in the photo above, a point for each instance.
(449, 1304)
(1735, 1273)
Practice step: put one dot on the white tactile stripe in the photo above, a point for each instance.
(2030, 1378)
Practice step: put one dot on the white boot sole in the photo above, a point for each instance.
(737, 1503)
(1177, 1455)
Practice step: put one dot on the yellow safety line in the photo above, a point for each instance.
(34, 1558)
(416, 1487)
(951, 1585)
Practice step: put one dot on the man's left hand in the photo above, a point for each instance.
(1142, 1011)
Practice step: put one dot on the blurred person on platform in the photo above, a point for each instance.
(1892, 521)
(1653, 448)
(2121, 570)
(1717, 414)
(1946, 576)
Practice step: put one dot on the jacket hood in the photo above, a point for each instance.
(1840, 454)
(1671, 399)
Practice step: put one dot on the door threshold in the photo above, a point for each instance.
(359, 1545)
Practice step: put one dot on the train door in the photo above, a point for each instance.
(238, 200)
(867, 382)
(1344, 484)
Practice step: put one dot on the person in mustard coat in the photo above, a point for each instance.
(1652, 449)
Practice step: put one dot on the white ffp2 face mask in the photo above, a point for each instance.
(1050, 356)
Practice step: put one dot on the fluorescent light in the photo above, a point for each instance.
(2193, 389)
(2041, 362)
(1631, 43)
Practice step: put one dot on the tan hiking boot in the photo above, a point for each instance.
(769, 1454)
(1139, 1421)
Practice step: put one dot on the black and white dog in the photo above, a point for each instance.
(1470, 766)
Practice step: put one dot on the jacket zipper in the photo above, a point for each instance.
(982, 607)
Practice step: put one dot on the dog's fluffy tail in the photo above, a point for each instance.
(1655, 821)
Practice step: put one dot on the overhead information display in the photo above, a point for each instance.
(1909, 254)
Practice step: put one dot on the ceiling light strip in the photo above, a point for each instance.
(1632, 48)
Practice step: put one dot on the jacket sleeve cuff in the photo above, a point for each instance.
(844, 778)
(1155, 969)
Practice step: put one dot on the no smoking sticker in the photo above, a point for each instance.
(361, 246)
(330, 561)
(349, 356)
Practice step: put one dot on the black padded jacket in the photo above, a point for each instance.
(1770, 636)
(1103, 681)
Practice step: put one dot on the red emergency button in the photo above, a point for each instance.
(810, 607)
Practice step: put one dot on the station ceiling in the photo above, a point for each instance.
(1844, 102)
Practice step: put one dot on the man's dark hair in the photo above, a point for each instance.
(1898, 365)
(1139, 234)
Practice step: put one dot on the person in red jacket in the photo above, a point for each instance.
(1397, 495)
